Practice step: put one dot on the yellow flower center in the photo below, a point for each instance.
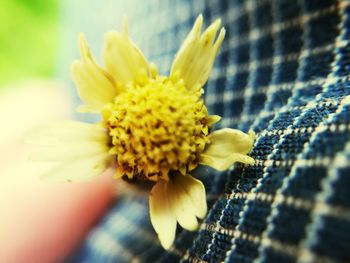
(156, 127)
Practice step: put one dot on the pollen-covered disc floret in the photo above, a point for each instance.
(157, 126)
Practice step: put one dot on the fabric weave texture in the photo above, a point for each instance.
(282, 71)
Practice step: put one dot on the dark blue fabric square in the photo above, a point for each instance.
(274, 256)
(254, 218)
(306, 182)
(286, 72)
(334, 241)
(244, 251)
(341, 195)
(287, 10)
(262, 78)
(290, 41)
(317, 66)
(262, 48)
(289, 224)
(318, 27)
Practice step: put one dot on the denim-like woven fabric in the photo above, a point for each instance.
(283, 72)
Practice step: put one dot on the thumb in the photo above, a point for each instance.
(42, 222)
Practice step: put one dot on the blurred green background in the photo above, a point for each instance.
(28, 39)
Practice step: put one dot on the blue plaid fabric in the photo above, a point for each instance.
(283, 72)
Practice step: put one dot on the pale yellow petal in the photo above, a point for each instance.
(96, 87)
(226, 147)
(80, 150)
(223, 163)
(66, 132)
(68, 141)
(162, 217)
(68, 151)
(83, 169)
(196, 56)
(213, 119)
(123, 59)
(182, 205)
(196, 191)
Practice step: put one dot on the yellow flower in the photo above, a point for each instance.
(154, 128)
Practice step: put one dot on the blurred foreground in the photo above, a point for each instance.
(40, 221)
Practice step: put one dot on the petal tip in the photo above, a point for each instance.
(75, 65)
(199, 18)
(217, 23)
(81, 38)
(249, 160)
(198, 24)
(252, 134)
(83, 46)
(220, 38)
(165, 242)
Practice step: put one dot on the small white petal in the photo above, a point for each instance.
(213, 119)
(162, 217)
(96, 87)
(123, 59)
(81, 150)
(79, 170)
(196, 191)
(228, 146)
(180, 199)
(181, 204)
(68, 151)
(196, 56)
(66, 132)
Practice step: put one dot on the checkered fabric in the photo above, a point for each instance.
(283, 72)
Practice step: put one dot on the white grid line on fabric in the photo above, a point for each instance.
(333, 127)
(234, 14)
(110, 246)
(275, 28)
(249, 89)
(316, 220)
(255, 64)
(252, 73)
(275, 244)
(323, 208)
(265, 113)
(258, 185)
(228, 96)
(227, 121)
(332, 174)
(317, 162)
(296, 202)
(321, 127)
(269, 92)
(185, 14)
(118, 221)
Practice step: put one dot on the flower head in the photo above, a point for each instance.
(154, 128)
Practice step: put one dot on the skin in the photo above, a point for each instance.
(41, 221)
